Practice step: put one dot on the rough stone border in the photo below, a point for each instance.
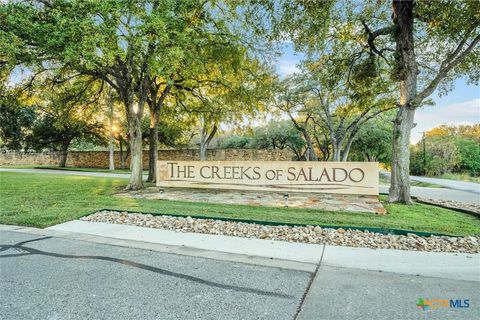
(308, 234)
(384, 231)
(437, 204)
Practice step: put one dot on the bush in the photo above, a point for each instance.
(441, 157)
(235, 142)
(448, 149)
(469, 156)
(416, 161)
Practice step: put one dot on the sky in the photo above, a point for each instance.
(459, 106)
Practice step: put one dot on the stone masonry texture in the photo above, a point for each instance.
(99, 159)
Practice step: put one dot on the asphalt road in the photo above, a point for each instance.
(441, 194)
(52, 278)
(45, 277)
(451, 184)
(461, 191)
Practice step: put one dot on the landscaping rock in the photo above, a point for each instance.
(307, 234)
(469, 207)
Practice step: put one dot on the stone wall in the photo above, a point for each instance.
(99, 159)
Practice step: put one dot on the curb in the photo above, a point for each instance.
(181, 250)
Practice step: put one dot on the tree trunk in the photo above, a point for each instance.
(336, 143)
(400, 178)
(136, 146)
(203, 152)
(336, 150)
(155, 107)
(407, 72)
(203, 149)
(346, 151)
(136, 157)
(123, 155)
(111, 162)
(205, 140)
(125, 158)
(153, 142)
(324, 148)
(310, 154)
(64, 153)
(122, 160)
(336, 153)
(297, 154)
(325, 153)
(152, 153)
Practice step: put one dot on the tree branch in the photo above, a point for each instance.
(211, 135)
(448, 64)
(374, 35)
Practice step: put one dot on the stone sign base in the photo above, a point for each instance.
(331, 202)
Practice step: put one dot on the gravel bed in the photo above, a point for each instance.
(308, 234)
(470, 207)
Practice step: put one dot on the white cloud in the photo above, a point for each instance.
(467, 112)
(287, 67)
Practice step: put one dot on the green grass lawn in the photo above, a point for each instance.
(72, 169)
(43, 200)
(83, 169)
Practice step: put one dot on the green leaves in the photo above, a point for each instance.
(448, 149)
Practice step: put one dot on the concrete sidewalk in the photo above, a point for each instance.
(352, 294)
(455, 266)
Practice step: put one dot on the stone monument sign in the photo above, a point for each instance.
(287, 176)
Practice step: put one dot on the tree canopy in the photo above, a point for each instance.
(182, 71)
